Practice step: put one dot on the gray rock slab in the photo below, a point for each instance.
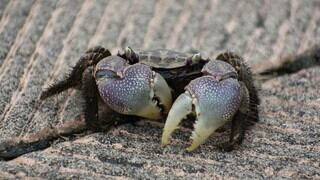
(40, 40)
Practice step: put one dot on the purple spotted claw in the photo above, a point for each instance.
(213, 98)
(132, 89)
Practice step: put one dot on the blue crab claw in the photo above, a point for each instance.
(132, 89)
(213, 102)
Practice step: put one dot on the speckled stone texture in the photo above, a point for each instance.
(40, 40)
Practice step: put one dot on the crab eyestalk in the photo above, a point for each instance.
(213, 103)
(131, 55)
(133, 89)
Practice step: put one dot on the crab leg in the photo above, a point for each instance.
(215, 102)
(90, 58)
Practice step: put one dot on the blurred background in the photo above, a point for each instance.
(40, 40)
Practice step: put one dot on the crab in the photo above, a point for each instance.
(145, 84)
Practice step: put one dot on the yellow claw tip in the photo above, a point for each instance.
(192, 148)
(163, 144)
(165, 141)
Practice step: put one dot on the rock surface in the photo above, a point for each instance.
(40, 40)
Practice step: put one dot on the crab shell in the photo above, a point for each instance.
(177, 68)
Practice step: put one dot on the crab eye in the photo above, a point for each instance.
(104, 73)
